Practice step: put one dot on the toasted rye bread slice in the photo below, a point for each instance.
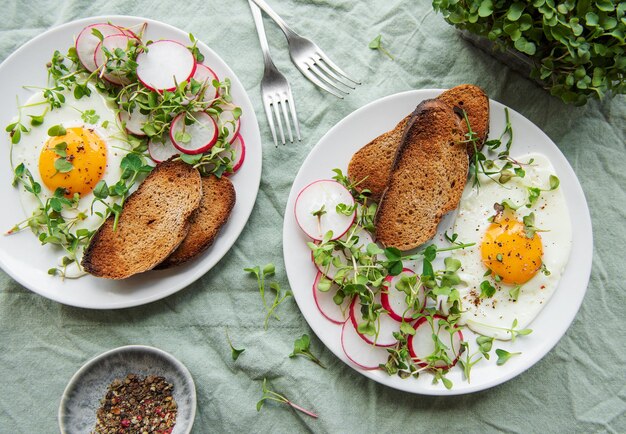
(370, 166)
(475, 102)
(218, 200)
(154, 221)
(427, 177)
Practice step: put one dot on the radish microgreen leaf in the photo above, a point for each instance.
(235, 353)
(377, 44)
(302, 347)
(270, 395)
(504, 356)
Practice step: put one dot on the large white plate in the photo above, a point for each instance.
(21, 255)
(335, 149)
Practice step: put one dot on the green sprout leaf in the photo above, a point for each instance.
(302, 347)
(377, 44)
(504, 356)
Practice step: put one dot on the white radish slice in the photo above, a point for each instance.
(160, 152)
(239, 146)
(359, 352)
(331, 269)
(386, 325)
(328, 194)
(328, 308)
(87, 41)
(421, 344)
(164, 65)
(205, 76)
(394, 300)
(201, 135)
(226, 120)
(133, 120)
(111, 43)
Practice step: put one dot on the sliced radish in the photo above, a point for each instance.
(87, 41)
(112, 43)
(132, 120)
(327, 194)
(394, 300)
(421, 344)
(160, 152)
(327, 306)
(226, 120)
(164, 65)
(195, 138)
(205, 76)
(331, 269)
(239, 146)
(386, 325)
(359, 352)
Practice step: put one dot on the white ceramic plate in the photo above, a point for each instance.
(22, 256)
(82, 396)
(335, 149)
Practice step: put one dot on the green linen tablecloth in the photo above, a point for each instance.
(578, 387)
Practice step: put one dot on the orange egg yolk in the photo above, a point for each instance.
(509, 253)
(84, 150)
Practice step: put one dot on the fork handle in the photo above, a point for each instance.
(273, 15)
(260, 28)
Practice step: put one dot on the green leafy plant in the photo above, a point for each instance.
(269, 394)
(302, 347)
(576, 47)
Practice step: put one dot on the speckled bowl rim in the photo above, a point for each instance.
(76, 378)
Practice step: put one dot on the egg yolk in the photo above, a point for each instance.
(84, 150)
(509, 253)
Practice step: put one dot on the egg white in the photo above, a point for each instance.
(29, 148)
(492, 316)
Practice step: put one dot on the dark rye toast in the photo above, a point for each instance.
(370, 166)
(427, 177)
(475, 102)
(218, 200)
(153, 223)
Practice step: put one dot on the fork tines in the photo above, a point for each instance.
(271, 103)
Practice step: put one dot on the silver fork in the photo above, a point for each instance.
(275, 88)
(311, 60)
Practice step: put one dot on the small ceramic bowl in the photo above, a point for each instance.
(81, 398)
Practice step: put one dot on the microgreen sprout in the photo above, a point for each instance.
(279, 295)
(234, 352)
(377, 44)
(302, 347)
(504, 356)
(270, 395)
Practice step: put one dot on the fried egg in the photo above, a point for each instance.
(92, 143)
(523, 267)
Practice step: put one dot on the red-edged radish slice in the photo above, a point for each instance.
(87, 41)
(386, 325)
(394, 300)
(206, 75)
(227, 120)
(328, 308)
(239, 147)
(196, 138)
(331, 269)
(359, 352)
(132, 120)
(328, 194)
(112, 43)
(421, 344)
(160, 152)
(165, 64)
